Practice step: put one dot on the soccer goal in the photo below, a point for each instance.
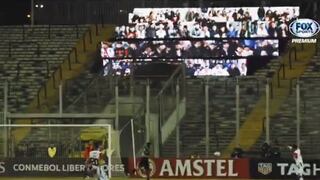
(62, 144)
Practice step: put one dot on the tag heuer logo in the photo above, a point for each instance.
(265, 168)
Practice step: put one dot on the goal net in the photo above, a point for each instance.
(54, 148)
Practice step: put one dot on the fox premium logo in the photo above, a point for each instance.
(304, 28)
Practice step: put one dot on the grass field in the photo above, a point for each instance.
(80, 178)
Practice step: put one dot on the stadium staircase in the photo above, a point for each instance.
(193, 111)
(283, 126)
(85, 56)
(252, 128)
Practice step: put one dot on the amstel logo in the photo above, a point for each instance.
(143, 172)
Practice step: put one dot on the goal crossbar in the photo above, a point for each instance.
(55, 125)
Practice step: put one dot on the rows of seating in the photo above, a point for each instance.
(222, 114)
(222, 111)
(28, 56)
(310, 103)
(313, 69)
(87, 93)
(65, 139)
(283, 124)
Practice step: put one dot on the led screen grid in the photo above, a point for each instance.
(243, 22)
(217, 14)
(119, 67)
(171, 49)
(194, 67)
(123, 67)
(224, 41)
(227, 67)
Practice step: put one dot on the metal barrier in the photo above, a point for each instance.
(169, 88)
(317, 46)
(84, 39)
(83, 94)
(97, 29)
(75, 51)
(217, 103)
(291, 85)
(54, 76)
(282, 67)
(101, 19)
(221, 106)
(294, 49)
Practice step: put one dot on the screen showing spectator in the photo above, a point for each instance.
(119, 67)
(218, 14)
(158, 23)
(202, 67)
(171, 49)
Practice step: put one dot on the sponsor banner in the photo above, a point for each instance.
(48, 167)
(192, 168)
(282, 169)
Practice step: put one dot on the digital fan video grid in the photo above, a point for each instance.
(186, 49)
(232, 22)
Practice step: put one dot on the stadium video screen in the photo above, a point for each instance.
(217, 14)
(119, 67)
(186, 49)
(194, 67)
(231, 22)
(203, 67)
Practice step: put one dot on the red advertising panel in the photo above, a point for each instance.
(192, 168)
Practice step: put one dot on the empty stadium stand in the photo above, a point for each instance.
(284, 122)
(34, 60)
(222, 108)
(29, 56)
(222, 113)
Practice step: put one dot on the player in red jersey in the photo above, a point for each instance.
(89, 147)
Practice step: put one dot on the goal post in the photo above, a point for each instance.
(55, 141)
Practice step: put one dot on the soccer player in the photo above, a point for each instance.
(88, 149)
(97, 162)
(144, 164)
(296, 154)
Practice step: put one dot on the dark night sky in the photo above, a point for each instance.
(14, 12)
